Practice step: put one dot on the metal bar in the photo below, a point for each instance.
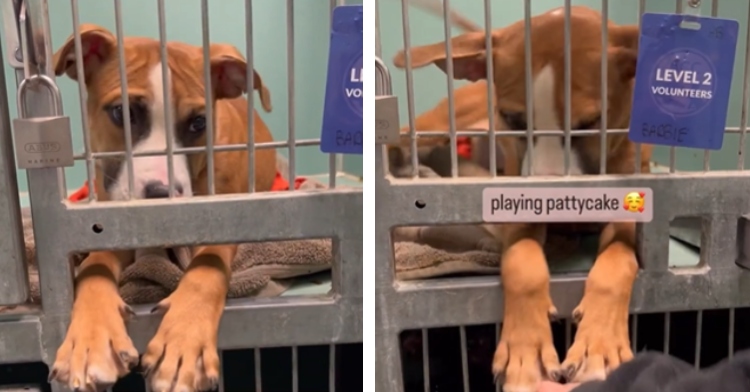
(672, 149)
(250, 95)
(221, 371)
(490, 87)
(730, 336)
(464, 359)
(604, 89)
(743, 112)
(641, 11)
(634, 341)
(567, 82)
(667, 331)
(529, 88)
(197, 150)
(82, 94)
(167, 80)
(333, 159)
(332, 368)
(568, 334)
(698, 338)
(258, 370)
(451, 98)
(409, 88)
(291, 85)
(204, 220)
(707, 153)
(125, 99)
(295, 370)
(498, 327)
(426, 359)
(209, 98)
(15, 287)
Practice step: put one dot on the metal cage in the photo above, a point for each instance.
(61, 227)
(718, 199)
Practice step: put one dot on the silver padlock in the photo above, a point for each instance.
(42, 142)
(387, 129)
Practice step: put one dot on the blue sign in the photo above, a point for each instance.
(342, 115)
(682, 80)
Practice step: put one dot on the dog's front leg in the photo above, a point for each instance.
(183, 356)
(97, 350)
(525, 354)
(602, 341)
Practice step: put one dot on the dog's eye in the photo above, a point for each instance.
(138, 114)
(515, 121)
(198, 124)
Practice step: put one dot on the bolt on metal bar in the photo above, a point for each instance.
(698, 338)
(256, 363)
(409, 89)
(332, 368)
(743, 112)
(528, 80)
(464, 359)
(641, 11)
(567, 93)
(604, 89)
(125, 99)
(707, 152)
(426, 359)
(490, 86)
(667, 331)
(250, 96)
(209, 97)
(295, 370)
(449, 72)
(82, 93)
(167, 80)
(290, 95)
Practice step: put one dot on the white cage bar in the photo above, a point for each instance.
(719, 198)
(62, 227)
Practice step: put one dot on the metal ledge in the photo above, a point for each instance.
(680, 194)
(420, 304)
(246, 323)
(209, 220)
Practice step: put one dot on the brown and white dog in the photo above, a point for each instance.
(182, 356)
(525, 354)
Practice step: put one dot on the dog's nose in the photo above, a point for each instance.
(158, 189)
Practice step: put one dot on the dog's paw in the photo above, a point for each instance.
(602, 342)
(525, 355)
(97, 350)
(182, 356)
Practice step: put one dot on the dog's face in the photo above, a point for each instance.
(547, 87)
(145, 94)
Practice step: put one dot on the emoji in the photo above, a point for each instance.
(634, 201)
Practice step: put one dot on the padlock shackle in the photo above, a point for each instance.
(38, 79)
(383, 84)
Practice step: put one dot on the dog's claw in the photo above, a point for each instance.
(52, 375)
(570, 372)
(213, 383)
(577, 315)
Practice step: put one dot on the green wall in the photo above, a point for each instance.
(430, 83)
(227, 24)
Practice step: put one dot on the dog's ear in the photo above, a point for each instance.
(97, 44)
(229, 75)
(468, 51)
(624, 51)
